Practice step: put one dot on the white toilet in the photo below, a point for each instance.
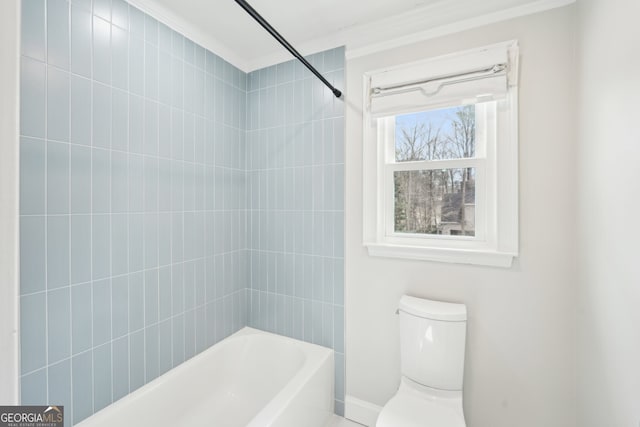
(432, 341)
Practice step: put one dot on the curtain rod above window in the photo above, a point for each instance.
(459, 77)
(255, 15)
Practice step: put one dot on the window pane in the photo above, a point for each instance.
(438, 201)
(449, 133)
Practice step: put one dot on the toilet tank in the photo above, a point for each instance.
(432, 342)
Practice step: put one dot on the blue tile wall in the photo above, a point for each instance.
(295, 182)
(133, 253)
(167, 200)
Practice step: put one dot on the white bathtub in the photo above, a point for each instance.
(252, 378)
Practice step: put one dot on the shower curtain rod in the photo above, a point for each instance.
(255, 15)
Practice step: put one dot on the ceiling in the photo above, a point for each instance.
(225, 28)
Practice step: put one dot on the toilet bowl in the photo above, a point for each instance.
(432, 345)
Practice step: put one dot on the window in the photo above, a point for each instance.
(440, 171)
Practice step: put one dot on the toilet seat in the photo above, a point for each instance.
(407, 409)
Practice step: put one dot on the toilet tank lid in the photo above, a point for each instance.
(435, 310)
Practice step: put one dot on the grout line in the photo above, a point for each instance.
(71, 388)
(128, 202)
(110, 202)
(69, 47)
(46, 199)
(157, 191)
(72, 285)
(92, 145)
(143, 141)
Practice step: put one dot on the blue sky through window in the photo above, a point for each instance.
(420, 127)
(438, 118)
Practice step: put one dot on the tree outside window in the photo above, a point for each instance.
(433, 200)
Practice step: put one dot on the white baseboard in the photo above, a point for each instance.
(361, 411)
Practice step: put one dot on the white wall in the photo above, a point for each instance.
(521, 331)
(9, 88)
(609, 96)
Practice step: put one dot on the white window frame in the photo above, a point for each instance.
(496, 238)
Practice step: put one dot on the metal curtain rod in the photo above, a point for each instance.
(255, 15)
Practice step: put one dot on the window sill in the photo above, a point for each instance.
(458, 256)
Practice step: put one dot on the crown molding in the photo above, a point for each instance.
(440, 19)
(184, 27)
(455, 26)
